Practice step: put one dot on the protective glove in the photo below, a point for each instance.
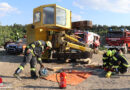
(108, 74)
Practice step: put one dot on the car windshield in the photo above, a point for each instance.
(23, 40)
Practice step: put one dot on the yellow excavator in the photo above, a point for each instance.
(51, 22)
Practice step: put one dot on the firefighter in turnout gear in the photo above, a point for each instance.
(115, 63)
(120, 63)
(107, 60)
(108, 63)
(33, 54)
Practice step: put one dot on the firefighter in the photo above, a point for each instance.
(120, 63)
(33, 54)
(107, 60)
(108, 63)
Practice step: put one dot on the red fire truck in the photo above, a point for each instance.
(118, 40)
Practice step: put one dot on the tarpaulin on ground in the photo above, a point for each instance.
(72, 78)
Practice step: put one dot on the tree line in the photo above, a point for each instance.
(102, 29)
(13, 32)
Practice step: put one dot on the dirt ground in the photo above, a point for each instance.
(97, 81)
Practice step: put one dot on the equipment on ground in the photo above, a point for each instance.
(1, 82)
(50, 23)
(62, 83)
(118, 40)
(43, 72)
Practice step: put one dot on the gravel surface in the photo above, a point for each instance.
(97, 81)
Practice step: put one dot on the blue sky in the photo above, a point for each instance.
(103, 12)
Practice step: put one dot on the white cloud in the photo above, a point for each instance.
(78, 5)
(5, 9)
(120, 6)
(76, 17)
(81, 12)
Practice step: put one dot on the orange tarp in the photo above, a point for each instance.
(73, 78)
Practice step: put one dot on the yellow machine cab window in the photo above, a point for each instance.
(60, 16)
(48, 15)
(37, 17)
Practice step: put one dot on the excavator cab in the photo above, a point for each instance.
(47, 21)
(52, 17)
(50, 22)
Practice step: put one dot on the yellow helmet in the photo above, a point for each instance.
(113, 52)
(48, 43)
(109, 53)
(40, 43)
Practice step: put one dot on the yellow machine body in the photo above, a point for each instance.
(49, 23)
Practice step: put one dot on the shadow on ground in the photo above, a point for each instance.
(114, 89)
(29, 86)
(22, 77)
(11, 58)
(7, 76)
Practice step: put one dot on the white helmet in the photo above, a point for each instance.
(48, 43)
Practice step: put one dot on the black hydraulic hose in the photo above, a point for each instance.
(57, 80)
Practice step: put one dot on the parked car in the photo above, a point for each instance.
(16, 47)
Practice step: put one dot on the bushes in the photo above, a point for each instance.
(11, 33)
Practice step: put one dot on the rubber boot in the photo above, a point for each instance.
(33, 75)
(17, 72)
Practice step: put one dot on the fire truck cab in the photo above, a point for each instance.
(118, 40)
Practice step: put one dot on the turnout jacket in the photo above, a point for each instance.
(120, 60)
(107, 61)
(36, 48)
